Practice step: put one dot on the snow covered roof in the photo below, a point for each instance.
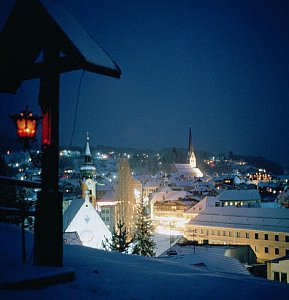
(153, 183)
(170, 196)
(239, 195)
(71, 211)
(81, 216)
(207, 201)
(266, 219)
(188, 170)
(109, 196)
(211, 258)
(29, 26)
(87, 168)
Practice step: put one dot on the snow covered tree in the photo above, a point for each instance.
(143, 243)
(119, 240)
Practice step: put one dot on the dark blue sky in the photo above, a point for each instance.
(221, 67)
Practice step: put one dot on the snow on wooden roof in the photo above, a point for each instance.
(30, 26)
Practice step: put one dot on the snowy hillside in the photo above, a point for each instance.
(103, 275)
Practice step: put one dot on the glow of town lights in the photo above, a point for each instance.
(166, 231)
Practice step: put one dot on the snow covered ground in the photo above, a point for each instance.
(106, 275)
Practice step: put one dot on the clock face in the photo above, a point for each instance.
(86, 235)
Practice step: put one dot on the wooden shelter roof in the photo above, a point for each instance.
(30, 26)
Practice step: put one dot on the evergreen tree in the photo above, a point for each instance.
(143, 243)
(118, 240)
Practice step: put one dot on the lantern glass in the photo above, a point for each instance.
(26, 124)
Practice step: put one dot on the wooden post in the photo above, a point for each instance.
(48, 219)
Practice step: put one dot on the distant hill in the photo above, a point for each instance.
(261, 163)
(169, 154)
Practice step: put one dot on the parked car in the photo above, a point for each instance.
(171, 252)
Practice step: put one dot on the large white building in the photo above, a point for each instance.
(82, 218)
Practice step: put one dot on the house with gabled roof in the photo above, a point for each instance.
(81, 217)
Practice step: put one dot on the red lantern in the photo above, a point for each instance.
(26, 124)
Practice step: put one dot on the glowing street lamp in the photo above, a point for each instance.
(26, 125)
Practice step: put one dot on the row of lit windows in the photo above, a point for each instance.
(238, 234)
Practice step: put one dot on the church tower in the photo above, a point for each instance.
(87, 175)
(191, 154)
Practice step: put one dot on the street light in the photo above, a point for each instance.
(26, 125)
(26, 128)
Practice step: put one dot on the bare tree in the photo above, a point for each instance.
(125, 207)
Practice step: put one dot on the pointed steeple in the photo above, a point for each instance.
(87, 153)
(87, 170)
(191, 154)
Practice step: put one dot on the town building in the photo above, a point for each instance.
(238, 197)
(278, 269)
(189, 169)
(106, 205)
(82, 218)
(168, 208)
(266, 230)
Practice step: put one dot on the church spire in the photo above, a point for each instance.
(87, 153)
(87, 170)
(191, 153)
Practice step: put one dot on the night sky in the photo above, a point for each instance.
(221, 67)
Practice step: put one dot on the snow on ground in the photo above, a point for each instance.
(164, 242)
(107, 275)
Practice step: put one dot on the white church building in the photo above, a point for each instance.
(82, 218)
